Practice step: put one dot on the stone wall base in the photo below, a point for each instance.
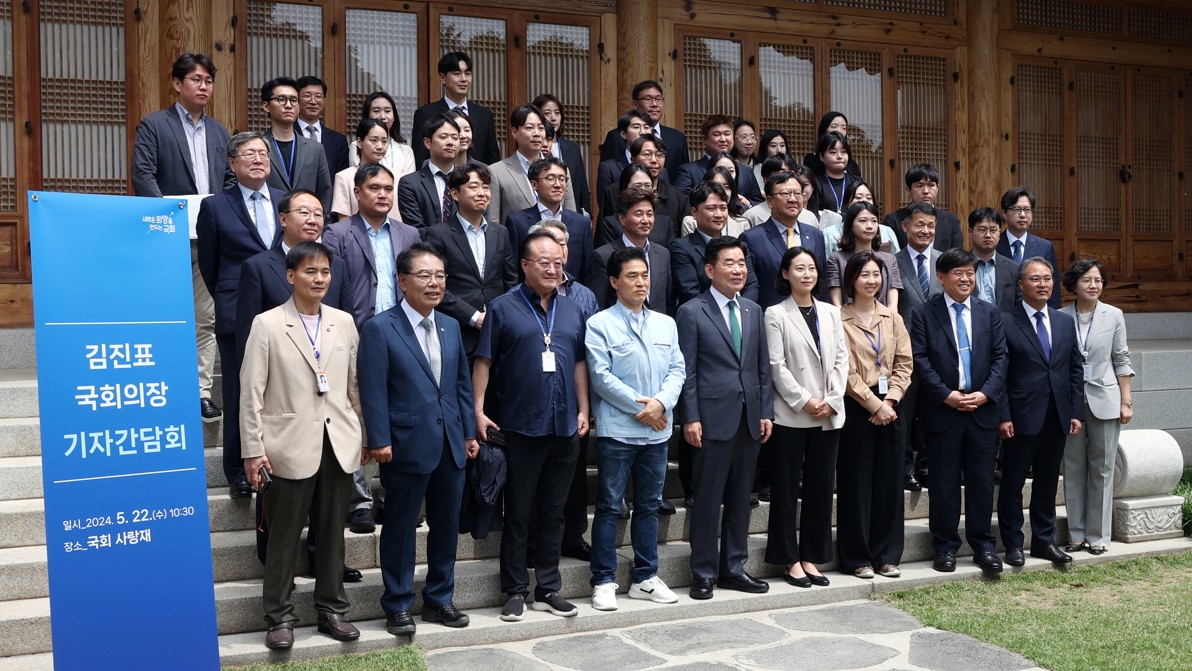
(1147, 518)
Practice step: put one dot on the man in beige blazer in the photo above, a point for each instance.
(300, 422)
(511, 190)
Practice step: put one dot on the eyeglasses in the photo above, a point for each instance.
(1020, 210)
(305, 213)
(311, 96)
(789, 195)
(1091, 281)
(747, 138)
(553, 179)
(201, 81)
(547, 265)
(285, 101)
(1039, 279)
(425, 276)
(649, 155)
(651, 99)
(261, 154)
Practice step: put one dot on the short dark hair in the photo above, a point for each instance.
(737, 125)
(311, 80)
(307, 249)
(369, 170)
(850, 191)
(240, 139)
(981, 214)
(459, 175)
(1078, 269)
(436, 122)
(267, 87)
(1034, 260)
(1010, 198)
(542, 165)
(634, 195)
(829, 140)
(620, 257)
(531, 238)
(826, 120)
(925, 208)
(713, 121)
(628, 173)
(919, 172)
(637, 145)
(718, 245)
(848, 241)
(366, 125)
(187, 62)
(405, 260)
(551, 133)
(775, 163)
(449, 62)
(287, 200)
(395, 130)
(764, 143)
(954, 258)
(521, 114)
(782, 285)
(852, 270)
(628, 117)
(700, 193)
(647, 84)
(782, 177)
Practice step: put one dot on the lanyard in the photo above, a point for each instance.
(1084, 342)
(877, 346)
(843, 187)
(318, 327)
(546, 331)
(284, 168)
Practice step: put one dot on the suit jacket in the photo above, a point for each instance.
(660, 298)
(484, 133)
(1031, 379)
(419, 201)
(802, 368)
(1035, 246)
(671, 201)
(348, 239)
(1108, 359)
(310, 169)
(947, 229)
(609, 229)
(1006, 291)
(717, 378)
(574, 159)
(403, 405)
(608, 182)
(767, 245)
(688, 278)
(511, 191)
(263, 286)
(282, 415)
(937, 361)
(467, 292)
(676, 148)
(912, 294)
(692, 173)
(579, 237)
(161, 164)
(227, 237)
(335, 147)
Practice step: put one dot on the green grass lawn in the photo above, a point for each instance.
(1132, 615)
(405, 658)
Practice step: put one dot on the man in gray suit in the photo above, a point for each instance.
(296, 162)
(181, 151)
(723, 341)
(511, 190)
(635, 211)
(997, 275)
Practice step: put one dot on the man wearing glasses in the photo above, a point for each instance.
(312, 92)
(648, 97)
(1018, 207)
(548, 177)
(297, 162)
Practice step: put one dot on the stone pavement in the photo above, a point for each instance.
(853, 635)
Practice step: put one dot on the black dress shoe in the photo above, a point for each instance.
(1014, 557)
(447, 615)
(743, 583)
(337, 626)
(945, 562)
(763, 494)
(361, 521)
(988, 561)
(701, 589)
(352, 575)
(280, 636)
(666, 508)
(209, 411)
(240, 490)
(805, 581)
(753, 502)
(689, 502)
(1051, 553)
(400, 623)
(912, 484)
(582, 552)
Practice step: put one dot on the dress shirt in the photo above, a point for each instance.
(968, 328)
(451, 106)
(546, 213)
(246, 193)
(196, 142)
(1030, 315)
(987, 278)
(318, 126)
(475, 238)
(525, 166)
(440, 182)
(382, 248)
(416, 324)
(722, 303)
(782, 231)
(889, 334)
(645, 249)
(1010, 240)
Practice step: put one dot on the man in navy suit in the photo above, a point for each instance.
(548, 178)
(632, 125)
(312, 92)
(960, 356)
(416, 394)
(922, 182)
(718, 138)
(1042, 405)
(1018, 207)
(709, 208)
(648, 97)
(233, 226)
(423, 198)
(768, 242)
(455, 80)
(723, 340)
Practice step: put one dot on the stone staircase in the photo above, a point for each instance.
(25, 641)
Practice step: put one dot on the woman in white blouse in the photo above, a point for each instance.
(372, 141)
(399, 157)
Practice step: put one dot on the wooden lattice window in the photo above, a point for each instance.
(787, 75)
(558, 61)
(284, 40)
(1157, 24)
(1098, 151)
(1041, 141)
(382, 55)
(855, 78)
(921, 7)
(712, 84)
(923, 115)
(484, 41)
(1187, 161)
(1089, 17)
(8, 159)
(1152, 153)
(83, 127)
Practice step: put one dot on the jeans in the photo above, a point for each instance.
(615, 461)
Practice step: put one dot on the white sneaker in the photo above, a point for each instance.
(653, 589)
(604, 596)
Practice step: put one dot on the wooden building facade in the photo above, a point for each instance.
(1087, 102)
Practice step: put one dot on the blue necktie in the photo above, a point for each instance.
(262, 219)
(921, 269)
(1017, 251)
(1043, 339)
(963, 346)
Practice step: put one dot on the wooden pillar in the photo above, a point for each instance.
(984, 132)
(637, 46)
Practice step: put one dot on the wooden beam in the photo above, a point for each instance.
(16, 305)
(981, 121)
(220, 47)
(1100, 50)
(637, 46)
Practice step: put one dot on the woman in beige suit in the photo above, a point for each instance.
(1089, 456)
(809, 365)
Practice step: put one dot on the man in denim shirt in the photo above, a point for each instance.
(636, 373)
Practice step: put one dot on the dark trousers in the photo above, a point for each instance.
(908, 434)
(869, 524)
(540, 470)
(723, 471)
(807, 455)
(443, 490)
(1043, 451)
(686, 468)
(324, 497)
(968, 448)
(575, 511)
(229, 366)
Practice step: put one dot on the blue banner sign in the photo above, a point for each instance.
(127, 534)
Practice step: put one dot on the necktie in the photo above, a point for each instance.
(792, 240)
(432, 348)
(734, 327)
(448, 201)
(1017, 251)
(1044, 341)
(262, 219)
(310, 133)
(963, 346)
(921, 271)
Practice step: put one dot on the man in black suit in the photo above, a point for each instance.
(709, 208)
(1018, 208)
(632, 125)
(422, 196)
(923, 186)
(297, 162)
(650, 153)
(718, 139)
(480, 256)
(960, 355)
(997, 275)
(312, 92)
(548, 178)
(233, 226)
(567, 151)
(455, 80)
(723, 340)
(635, 211)
(648, 97)
(1042, 405)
